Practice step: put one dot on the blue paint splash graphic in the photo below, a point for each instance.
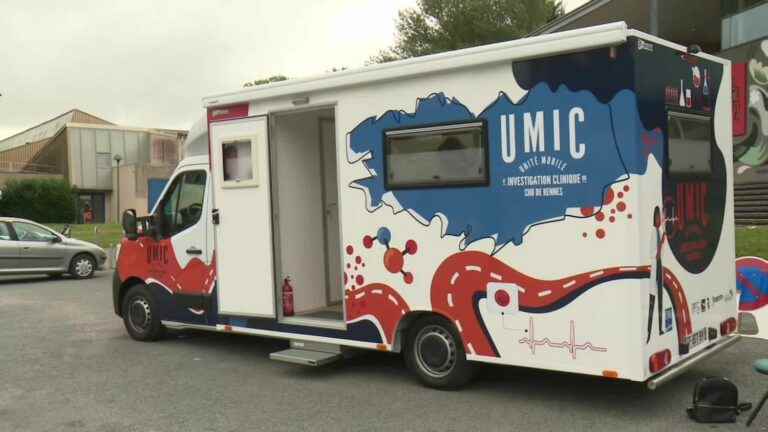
(501, 210)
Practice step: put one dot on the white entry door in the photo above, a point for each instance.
(243, 236)
(331, 210)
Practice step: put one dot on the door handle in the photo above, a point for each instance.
(194, 251)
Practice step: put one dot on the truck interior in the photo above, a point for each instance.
(306, 213)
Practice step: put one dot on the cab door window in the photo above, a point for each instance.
(5, 233)
(183, 205)
(34, 233)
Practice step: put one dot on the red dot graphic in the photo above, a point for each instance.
(613, 211)
(350, 250)
(411, 247)
(608, 196)
(587, 211)
(408, 277)
(359, 279)
(368, 241)
(612, 219)
(629, 216)
(620, 194)
(626, 188)
(584, 235)
(600, 233)
(600, 216)
(349, 265)
(358, 259)
(502, 298)
(621, 206)
(346, 278)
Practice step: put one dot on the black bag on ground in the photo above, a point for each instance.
(716, 400)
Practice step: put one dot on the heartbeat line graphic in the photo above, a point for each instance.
(570, 344)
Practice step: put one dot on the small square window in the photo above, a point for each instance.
(689, 145)
(237, 160)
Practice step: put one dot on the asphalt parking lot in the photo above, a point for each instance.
(66, 363)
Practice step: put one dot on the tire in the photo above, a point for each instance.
(82, 266)
(435, 353)
(141, 315)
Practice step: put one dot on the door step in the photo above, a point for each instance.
(308, 353)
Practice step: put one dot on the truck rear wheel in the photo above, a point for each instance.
(141, 315)
(435, 353)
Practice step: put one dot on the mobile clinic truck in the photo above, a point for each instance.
(561, 202)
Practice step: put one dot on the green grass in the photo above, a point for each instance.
(104, 235)
(752, 241)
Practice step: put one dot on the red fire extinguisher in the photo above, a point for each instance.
(287, 297)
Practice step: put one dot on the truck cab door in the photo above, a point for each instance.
(182, 257)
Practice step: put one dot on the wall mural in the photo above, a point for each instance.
(750, 150)
(750, 154)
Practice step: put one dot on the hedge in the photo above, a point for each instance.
(40, 200)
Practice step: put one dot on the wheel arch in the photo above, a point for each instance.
(121, 288)
(407, 321)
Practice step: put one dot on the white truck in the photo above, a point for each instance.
(560, 202)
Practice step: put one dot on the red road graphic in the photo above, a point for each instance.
(460, 282)
(380, 301)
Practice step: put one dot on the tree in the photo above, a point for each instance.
(273, 78)
(435, 26)
(41, 200)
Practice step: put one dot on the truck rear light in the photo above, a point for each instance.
(660, 360)
(728, 326)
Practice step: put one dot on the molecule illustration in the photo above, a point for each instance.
(394, 259)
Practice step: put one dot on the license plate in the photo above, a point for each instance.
(697, 338)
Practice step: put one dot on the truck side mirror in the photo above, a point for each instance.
(129, 224)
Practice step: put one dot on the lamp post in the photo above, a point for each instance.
(118, 158)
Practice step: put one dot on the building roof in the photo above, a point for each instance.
(569, 17)
(50, 128)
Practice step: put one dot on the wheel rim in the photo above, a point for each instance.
(84, 267)
(435, 351)
(140, 314)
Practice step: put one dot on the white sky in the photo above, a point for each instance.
(149, 62)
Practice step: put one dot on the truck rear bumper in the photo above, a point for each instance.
(684, 365)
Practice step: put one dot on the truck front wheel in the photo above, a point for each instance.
(435, 353)
(141, 315)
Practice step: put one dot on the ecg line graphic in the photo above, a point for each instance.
(570, 344)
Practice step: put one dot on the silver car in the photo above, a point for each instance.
(27, 247)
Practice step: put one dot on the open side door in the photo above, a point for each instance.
(242, 216)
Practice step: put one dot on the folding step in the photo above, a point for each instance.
(309, 353)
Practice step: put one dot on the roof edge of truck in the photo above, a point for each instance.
(537, 46)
